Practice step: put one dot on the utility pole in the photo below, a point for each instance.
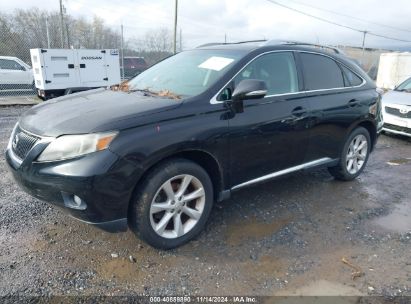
(48, 34)
(363, 46)
(68, 35)
(175, 27)
(181, 40)
(122, 52)
(62, 24)
(225, 37)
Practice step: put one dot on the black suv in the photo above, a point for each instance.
(192, 129)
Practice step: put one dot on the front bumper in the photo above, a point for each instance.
(397, 130)
(100, 179)
(397, 125)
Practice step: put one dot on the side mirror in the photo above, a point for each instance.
(249, 89)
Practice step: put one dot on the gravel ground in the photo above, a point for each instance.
(283, 237)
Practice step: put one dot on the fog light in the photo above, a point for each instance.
(77, 200)
(73, 201)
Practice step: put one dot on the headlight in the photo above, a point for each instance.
(69, 146)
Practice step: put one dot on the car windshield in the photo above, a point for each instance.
(405, 86)
(186, 74)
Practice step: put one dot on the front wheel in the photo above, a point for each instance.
(172, 205)
(354, 155)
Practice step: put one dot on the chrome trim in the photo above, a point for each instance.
(256, 93)
(285, 171)
(215, 101)
(14, 157)
(9, 144)
(42, 140)
(33, 134)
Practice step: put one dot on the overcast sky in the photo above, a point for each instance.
(205, 21)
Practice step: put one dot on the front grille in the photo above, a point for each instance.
(396, 112)
(396, 128)
(23, 142)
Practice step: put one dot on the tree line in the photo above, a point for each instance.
(25, 29)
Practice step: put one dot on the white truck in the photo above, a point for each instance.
(393, 69)
(63, 71)
(15, 74)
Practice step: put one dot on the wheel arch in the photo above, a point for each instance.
(371, 128)
(202, 158)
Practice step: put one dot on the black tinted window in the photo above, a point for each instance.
(321, 72)
(7, 64)
(350, 78)
(276, 69)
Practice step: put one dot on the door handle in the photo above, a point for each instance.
(298, 111)
(353, 102)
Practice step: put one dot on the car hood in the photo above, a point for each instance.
(396, 97)
(94, 111)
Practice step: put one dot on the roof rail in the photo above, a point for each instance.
(334, 49)
(276, 42)
(229, 43)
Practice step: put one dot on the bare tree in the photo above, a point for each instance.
(156, 45)
(26, 29)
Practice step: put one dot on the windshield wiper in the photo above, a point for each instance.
(163, 93)
(145, 91)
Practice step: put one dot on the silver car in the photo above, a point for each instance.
(397, 109)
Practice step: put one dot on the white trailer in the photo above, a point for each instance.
(63, 71)
(393, 69)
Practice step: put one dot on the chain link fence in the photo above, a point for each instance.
(25, 29)
(16, 77)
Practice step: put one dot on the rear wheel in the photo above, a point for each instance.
(172, 205)
(354, 155)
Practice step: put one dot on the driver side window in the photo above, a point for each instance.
(277, 70)
(6, 64)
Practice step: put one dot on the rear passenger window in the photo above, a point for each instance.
(350, 78)
(321, 72)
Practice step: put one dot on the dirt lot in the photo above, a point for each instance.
(284, 237)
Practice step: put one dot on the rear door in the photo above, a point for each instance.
(271, 133)
(335, 98)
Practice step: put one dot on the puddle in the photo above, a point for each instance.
(120, 268)
(253, 229)
(327, 288)
(399, 161)
(399, 220)
(266, 265)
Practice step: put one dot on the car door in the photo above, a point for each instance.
(12, 72)
(335, 100)
(271, 133)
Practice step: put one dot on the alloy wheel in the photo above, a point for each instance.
(357, 154)
(177, 206)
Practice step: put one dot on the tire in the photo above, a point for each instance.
(158, 200)
(353, 160)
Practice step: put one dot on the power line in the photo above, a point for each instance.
(337, 24)
(352, 17)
